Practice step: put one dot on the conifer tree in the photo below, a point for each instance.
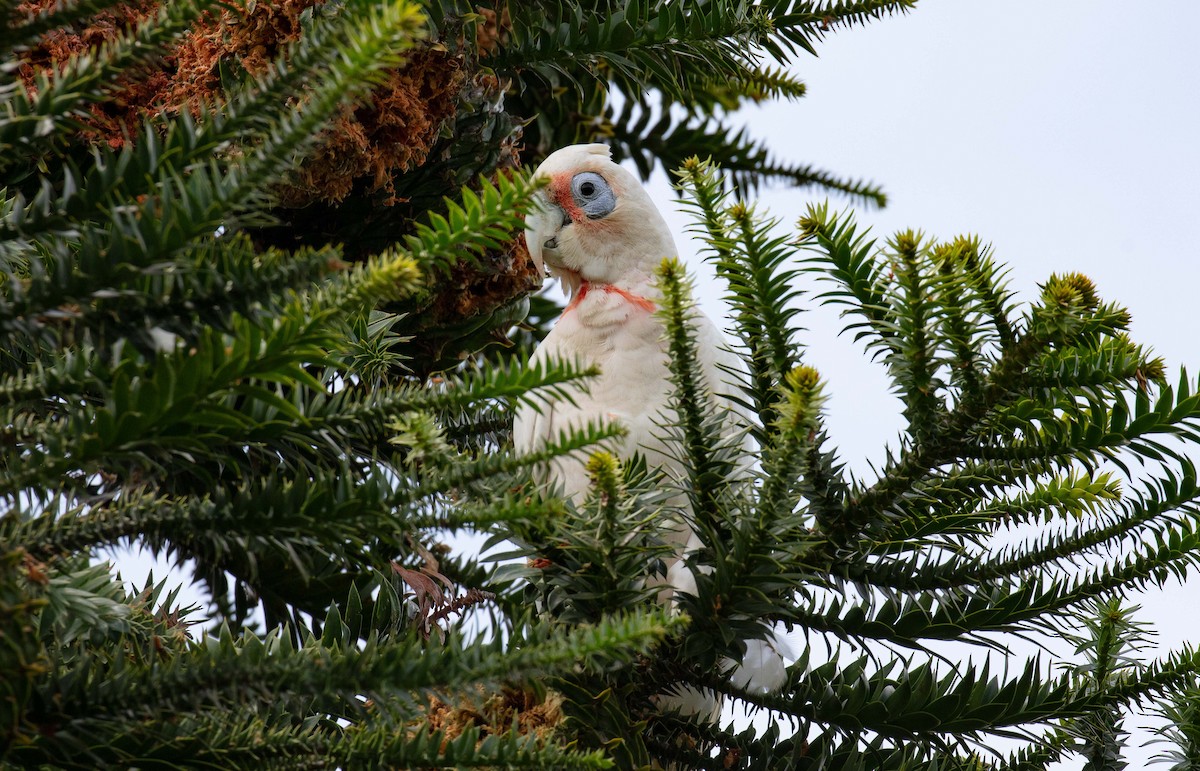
(169, 381)
(232, 267)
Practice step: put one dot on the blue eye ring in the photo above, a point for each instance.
(593, 194)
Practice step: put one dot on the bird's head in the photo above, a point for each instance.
(593, 220)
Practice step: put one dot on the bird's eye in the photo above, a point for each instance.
(592, 194)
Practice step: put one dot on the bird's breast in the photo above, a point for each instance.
(626, 343)
(606, 308)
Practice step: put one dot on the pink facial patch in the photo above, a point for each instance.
(560, 188)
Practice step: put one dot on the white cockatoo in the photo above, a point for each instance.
(598, 232)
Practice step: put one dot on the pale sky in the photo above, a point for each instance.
(1063, 133)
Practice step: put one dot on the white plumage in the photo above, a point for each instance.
(598, 232)
(606, 259)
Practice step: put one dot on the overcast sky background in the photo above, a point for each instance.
(1064, 133)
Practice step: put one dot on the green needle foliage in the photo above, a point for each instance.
(169, 382)
(1043, 477)
(191, 366)
(659, 80)
(488, 87)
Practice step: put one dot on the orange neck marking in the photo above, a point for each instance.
(636, 299)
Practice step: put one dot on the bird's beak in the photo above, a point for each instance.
(542, 226)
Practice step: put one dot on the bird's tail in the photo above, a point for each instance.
(764, 667)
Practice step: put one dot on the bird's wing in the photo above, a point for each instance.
(534, 422)
(538, 424)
